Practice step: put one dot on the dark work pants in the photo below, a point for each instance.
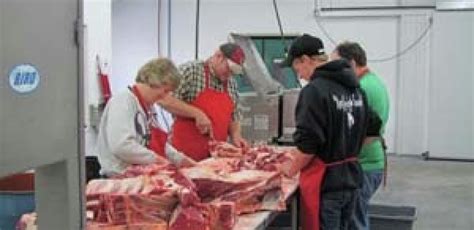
(337, 209)
(372, 181)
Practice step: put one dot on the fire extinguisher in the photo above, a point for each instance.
(104, 83)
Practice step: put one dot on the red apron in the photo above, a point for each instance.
(218, 106)
(158, 137)
(311, 179)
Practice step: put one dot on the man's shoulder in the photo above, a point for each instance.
(316, 89)
(371, 79)
(191, 69)
(372, 83)
(320, 84)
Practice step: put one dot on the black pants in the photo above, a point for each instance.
(336, 209)
(92, 168)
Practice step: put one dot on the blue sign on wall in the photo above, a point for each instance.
(24, 78)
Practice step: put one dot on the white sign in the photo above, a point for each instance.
(24, 78)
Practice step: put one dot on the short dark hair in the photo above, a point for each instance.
(352, 51)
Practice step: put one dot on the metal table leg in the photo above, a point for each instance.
(294, 211)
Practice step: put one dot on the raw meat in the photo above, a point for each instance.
(99, 226)
(207, 196)
(149, 198)
(224, 149)
(222, 215)
(246, 188)
(210, 216)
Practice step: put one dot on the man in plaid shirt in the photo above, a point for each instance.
(194, 83)
(205, 103)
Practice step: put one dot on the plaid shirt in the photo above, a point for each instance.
(194, 82)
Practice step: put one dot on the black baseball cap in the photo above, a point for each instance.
(304, 45)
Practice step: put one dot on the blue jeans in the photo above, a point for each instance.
(337, 209)
(370, 184)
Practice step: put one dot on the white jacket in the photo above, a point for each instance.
(121, 139)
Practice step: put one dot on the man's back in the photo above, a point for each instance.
(331, 110)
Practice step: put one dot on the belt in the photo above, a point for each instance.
(347, 160)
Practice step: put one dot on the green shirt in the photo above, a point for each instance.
(371, 156)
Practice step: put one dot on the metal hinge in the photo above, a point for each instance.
(78, 28)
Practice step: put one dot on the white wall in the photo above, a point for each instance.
(375, 3)
(134, 39)
(451, 125)
(97, 18)
(413, 86)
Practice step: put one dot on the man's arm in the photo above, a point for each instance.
(236, 135)
(235, 128)
(181, 108)
(310, 134)
(299, 161)
(311, 118)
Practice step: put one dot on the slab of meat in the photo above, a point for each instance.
(221, 166)
(264, 157)
(259, 157)
(141, 199)
(159, 196)
(246, 188)
(211, 185)
(149, 198)
(207, 196)
(222, 215)
(190, 217)
(204, 216)
(151, 169)
(145, 226)
(267, 194)
(159, 169)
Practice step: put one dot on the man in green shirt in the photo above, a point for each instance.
(371, 156)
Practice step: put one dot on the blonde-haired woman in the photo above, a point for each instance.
(127, 135)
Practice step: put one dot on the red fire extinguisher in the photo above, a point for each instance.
(104, 82)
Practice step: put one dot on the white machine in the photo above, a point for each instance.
(268, 110)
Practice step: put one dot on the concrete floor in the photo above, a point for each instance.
(441, 191)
